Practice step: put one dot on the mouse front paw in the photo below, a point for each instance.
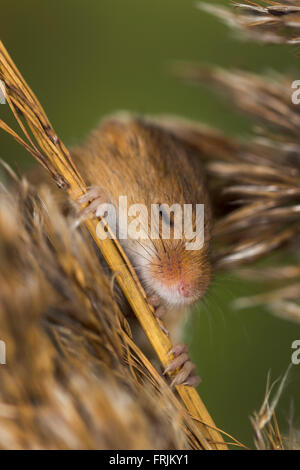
(186, 374)
(159, 309)
(93, 199)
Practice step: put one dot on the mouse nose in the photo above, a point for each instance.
(184, 289)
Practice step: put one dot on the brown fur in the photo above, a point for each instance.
(149, 164)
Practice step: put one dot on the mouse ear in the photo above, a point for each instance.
(208, 142)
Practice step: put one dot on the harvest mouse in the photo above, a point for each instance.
(132, 157)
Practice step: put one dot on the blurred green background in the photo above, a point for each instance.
(87, 59)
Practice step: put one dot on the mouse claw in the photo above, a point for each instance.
(159, 309)
(186, 367)
(93, 192)
(154, 300)
(178, 349)
(193, 381)
(162, 327)
(176, 363)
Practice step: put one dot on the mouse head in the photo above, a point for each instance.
(170, 250)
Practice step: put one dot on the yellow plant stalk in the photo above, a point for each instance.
(42, 142)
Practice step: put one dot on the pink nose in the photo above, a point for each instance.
(184, 289)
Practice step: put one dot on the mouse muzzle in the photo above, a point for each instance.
(179, 277)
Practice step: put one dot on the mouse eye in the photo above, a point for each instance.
(168, 218)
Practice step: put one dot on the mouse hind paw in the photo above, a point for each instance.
(186, 373)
